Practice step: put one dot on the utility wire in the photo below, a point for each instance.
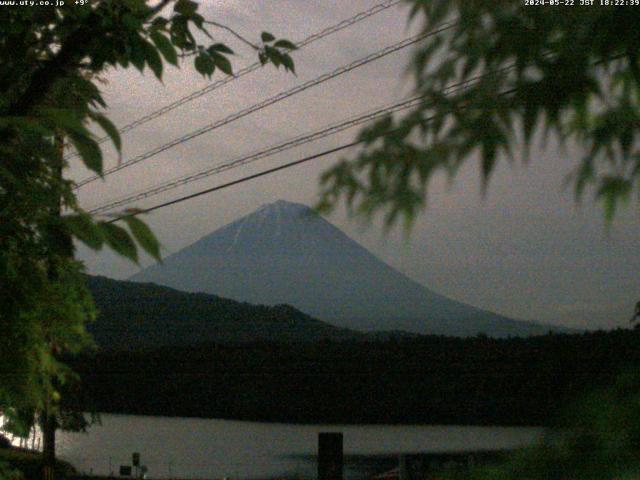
(380, 7)
(289, 144)
(241, 180)
(448, 91)
(270, 101)
(326, 131)
(264, 172)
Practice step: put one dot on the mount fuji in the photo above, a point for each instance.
(285, 253)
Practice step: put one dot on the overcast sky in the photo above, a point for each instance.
(525, 249)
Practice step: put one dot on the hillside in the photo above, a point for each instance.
(138, 315)
(286, 253)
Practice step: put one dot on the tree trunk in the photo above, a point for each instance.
(48, 443)
(49, 423)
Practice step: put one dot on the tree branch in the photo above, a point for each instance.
(233, 32)
(51, 70)
(71, 52)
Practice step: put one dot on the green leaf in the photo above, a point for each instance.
(287, 61)
(119, 240)
(160, 22)
(26, 124)
(274, 55)
(267, 37)
(222, 63)
(611, 191)
(166, 47)
(204, 64)
(144, 236)
(153, 59)
(109, 128)
(131, 22)
(285, 44)
(198, 20)
(137, 53)
(137, 6)
(185, 7)
(64, 119)
(88, 150)
(220, 47)
(372, 133)
(85, 89)
(81, 226)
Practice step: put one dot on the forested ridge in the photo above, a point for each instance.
(135, 315)
(426, 379)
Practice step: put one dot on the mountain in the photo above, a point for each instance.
(285, 253)
(142, 315)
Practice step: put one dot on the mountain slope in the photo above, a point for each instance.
(285, 253)
(133, 315)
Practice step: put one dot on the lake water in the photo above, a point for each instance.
(203, 448)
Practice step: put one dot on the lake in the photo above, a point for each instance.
(204, 448)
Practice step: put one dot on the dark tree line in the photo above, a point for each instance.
(426, 379)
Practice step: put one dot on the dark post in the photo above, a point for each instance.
(136, 462)
(330, 456)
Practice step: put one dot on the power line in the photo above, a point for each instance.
(259, 174)
(243, 179)
(289, 144)
(447, 91)
(380, 7)
(332, 129)
(270, 101)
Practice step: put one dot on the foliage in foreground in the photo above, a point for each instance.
(597, 440)
(500, 73)
(16, 464)
(51, 59)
